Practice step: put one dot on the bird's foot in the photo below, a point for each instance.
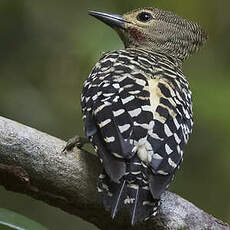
(75, 141)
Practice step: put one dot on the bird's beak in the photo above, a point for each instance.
(113, 20)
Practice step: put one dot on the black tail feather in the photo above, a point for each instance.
(118, 200)
(135, 207)
(136, 198)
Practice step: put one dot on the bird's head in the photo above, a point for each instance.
(156, 30)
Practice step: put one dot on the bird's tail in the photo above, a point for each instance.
(127, 194)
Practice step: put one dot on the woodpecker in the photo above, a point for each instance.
(137, 107)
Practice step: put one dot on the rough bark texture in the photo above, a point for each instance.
(32, 162)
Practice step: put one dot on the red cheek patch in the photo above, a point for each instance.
(136, 34)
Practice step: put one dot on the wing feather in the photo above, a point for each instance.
(118, 98)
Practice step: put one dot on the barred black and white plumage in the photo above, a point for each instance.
(137, 111)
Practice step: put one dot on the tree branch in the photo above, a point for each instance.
(32, 162)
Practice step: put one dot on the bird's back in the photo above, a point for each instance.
(137, 111)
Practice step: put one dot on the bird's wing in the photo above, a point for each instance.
(131, 114)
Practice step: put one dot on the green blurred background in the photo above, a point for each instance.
(47, 49)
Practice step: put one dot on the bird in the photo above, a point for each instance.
(137, 108)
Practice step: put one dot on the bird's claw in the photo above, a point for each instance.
(75, 141)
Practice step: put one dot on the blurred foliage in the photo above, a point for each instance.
(13, 221)
(47, 49)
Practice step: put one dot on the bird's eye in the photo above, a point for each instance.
(144, 17)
